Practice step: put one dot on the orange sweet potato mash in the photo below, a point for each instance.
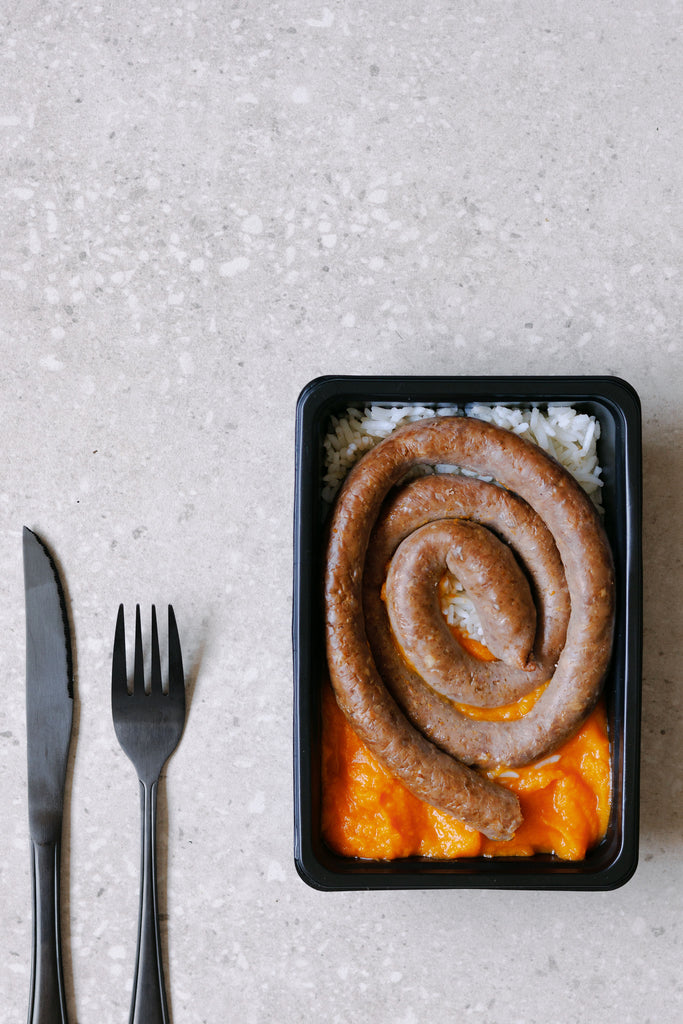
(366, 812)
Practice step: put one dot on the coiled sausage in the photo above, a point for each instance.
(413, 726)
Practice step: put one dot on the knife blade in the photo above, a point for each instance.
(49, 716)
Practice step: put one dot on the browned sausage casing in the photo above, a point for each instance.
(490, 574)
(413, 727)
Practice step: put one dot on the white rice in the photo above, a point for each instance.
(361, 429)
(569, 436)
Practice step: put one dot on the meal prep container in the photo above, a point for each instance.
(617, 407)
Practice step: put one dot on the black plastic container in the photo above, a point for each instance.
(617, 407)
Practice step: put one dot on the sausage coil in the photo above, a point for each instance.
(532, 553)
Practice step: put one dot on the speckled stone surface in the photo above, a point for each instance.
(204, 206)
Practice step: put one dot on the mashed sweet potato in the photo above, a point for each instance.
(565, 800)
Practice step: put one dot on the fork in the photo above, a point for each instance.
(148, 727)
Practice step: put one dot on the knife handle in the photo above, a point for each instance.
(47, 1004)
(148, 1004)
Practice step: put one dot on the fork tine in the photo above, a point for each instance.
(139, 667)
(119, 678)
(156, 685)
(176, 681)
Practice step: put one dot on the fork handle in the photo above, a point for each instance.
(148, 1004)
(47, 1004)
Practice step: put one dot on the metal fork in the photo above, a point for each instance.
(148, 727)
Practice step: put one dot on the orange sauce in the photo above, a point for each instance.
(565, 797)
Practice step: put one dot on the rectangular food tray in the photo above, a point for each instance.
(617, 407)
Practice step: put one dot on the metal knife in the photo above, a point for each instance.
(49, 714)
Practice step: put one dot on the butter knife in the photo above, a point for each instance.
(49, 714)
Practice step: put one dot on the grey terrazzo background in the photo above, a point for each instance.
(204, 206)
